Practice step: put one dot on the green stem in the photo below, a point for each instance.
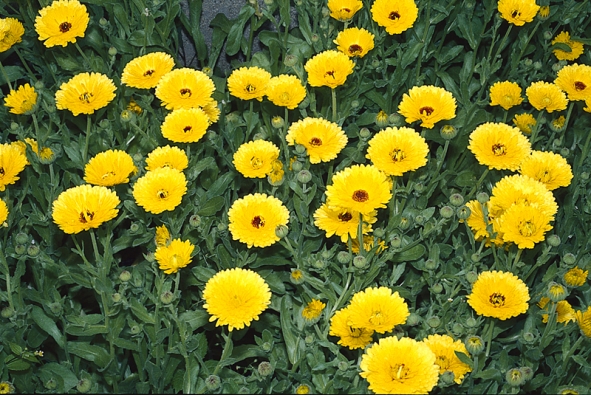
(85, 152)
(566, 357)
(8, 287)
(549, 325)
(490, 336)
(24, 62)
(83, 54)
(250, 37)
(224, 353)
(5, 76)
(584, 152)
(360, 235)
(424, 39)
(516, 260)
(334, 104)
(249, 123)
(477, 184)
(537, 127)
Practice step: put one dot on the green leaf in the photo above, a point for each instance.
(89, 352)
(489, 374)
(288, 330)
(127, 344)
(89, 330)
(465, 359)
(195, 318)
(237, 30)
(68, 377)
(211, 206)
(16, 364)
(219, 186)
(13, 73)
(467, 28)
(411, 54)
(410, 255)
(140, 311)
(47, 324)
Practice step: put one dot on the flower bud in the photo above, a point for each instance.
(126, 116)
(413, 319)
(434, 321)
(222, 226)
(125, 276)
(431, 264)
(290, 60)
(556, 292)
(482, 197)
(471, 322)
(315, 37)
(207, 71)
(448, 132)
(456, 199)
(584, 176)
(457, 329)
(309, 339)
(150, 256)
(565, 152)
(381, 119)
(194, 220)
(112, 51)
(446, 212)
(514, 377)
(20, 249)
(463, 212)
(134, 227)
(379, 232)
(437, 288)
(474, 344)
(211, 135)
(135, 329)
(553, 240)
(344, 257)
(84, 385)
(569, 259)
(281, 231)
(297, 276)
(475, 257)
(212, 382)
(355, 103)
(396, 242)
(277, 122)
(360, 262)
(302, 389)
(396, 119)
(7, 312)
(103, 22)
(527, 372)
(319, 264)
(14, 126)
(21, 238)
(56, 308)
(50, 384)
(343, 366)
(447, 377)
(364, 133)
(267, 347)
(528, 337)
(527, 62)
(167, 297)
(300, 149)
(265, 369)
(404, 223)
(537, 65)
(116, 297)
(304, 176)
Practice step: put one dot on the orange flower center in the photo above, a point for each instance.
(499, 150)
(360, 196)
(185, 92)
(497, 299)
(347, 10)
(394, 15)
(86, 216)
(2, 171)
(355, 49)
(149, 73)
(316, 142)
(345, 217)
(256, 163)
(426, 110)
(85, 97)
(187, 128)
(65, 27)
(580, 86)
(257, 222)
(397, 155)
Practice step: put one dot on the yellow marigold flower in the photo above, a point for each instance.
(144, 72)
(185, 125)
(313, 310)
(506, 94)
(167, 156)
(6, 388)
(544, 12)
(396, 151)
(519, 188)
(518, 12)
(478, 222)
(377, 309)
(549, 168)
(253, 219)
(576, 47)
(84, 207)
(46, 153)
(499, 146)
(525, 224)
(341, 222)
(277, 173)
(361, 188)
(302, 389)
(3, 212)
(160, 190)
(355, 42)
(399, 366)
(429, 104)
(212, 111)
(85, 93)
(22, 148)
(249, 83)
(133, 106)
(61, 22)
(499, 295)
(255, 159)
(12, 162)
(185, 88)
(329, 68)
(368, 242)
(340, 326)
(109, 168)
(575, 80)
(296, 276)
(444, 348)
(174, 256)
(395, 16)
(584, 321)
(323, 139)
(344, 10)
(524, 122)
(576, 277)
(564, 311)
(286, 91)
(546, 96)
(236, 297)
(11, 32)
(162, 237)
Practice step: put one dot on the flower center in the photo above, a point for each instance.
(355, 332)
(397, 155)
(256, 163)
(497, 299)
(175, 260)
(399, 372)
(187, 128)
(515, 13)
(345, 217)
(251, 88)
(355, 49)
(285, 96)
(527, 229)
(162, 194)
(360, 196)
(149, 73)
(86, 216)
(107, 175)
(376, 318)
(580, 86)
(258, 222)
(499, 150)
(546, 101)
(394, 15)
(2, 171)
(316, 142)
(347, 10)
(329, 73)
(65, 27)
(86, 96)
(442, 362)
(426, 110)
(185, 92)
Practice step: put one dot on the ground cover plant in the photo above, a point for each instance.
(380, 196)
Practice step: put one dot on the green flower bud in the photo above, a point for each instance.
(14, 126)
(364, 133)
(437, 288)
(396, 242)
(404, 223)
(323, 25)
(297, 166)
(33, 250)
(315, 37)
(304, 176)
(149, 257)
(553, 240)
(447, 377)
(21, 238)
(116, 297)
(528, 338)
(222, 226)
(475, 258)
(463, 212)
(319, 264)
(212, 135)
(135, 329)
(326, 254)
(514, 377)
(310, 339)
(20, 249)
(265, 369)
(565, 152)
(556, 292)
(103, 22)
(355, 103)
(482, 197)
(104, 123)
(194, 220)
(527, 372)
(456, 199)
(7, 312)
(379, 232)
(207, 71)
(167, 297)
(277, 122)
(135, 227)
(56, 308)
(414, 319)
(213, 382)
(446, 212)
(297, 276)
(448, 132)
(84, 385)
(474, 344)
(344, 257)
(343, 366)
(300, 149)
(126, 116)
(281, 231)
(471, 322)
(50, 384)
(125, 276)
(569, 259)
(457, 329)
(434, 321)
(528, 62)
(419, 187)
(360, 262)
(431, 264)
(267, 347)
(381, 119)
(584, 176)
(112, 51)
(537, 65)
(396, 119)
(290, 60)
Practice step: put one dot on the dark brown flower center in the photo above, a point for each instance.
(347, 10)
(187, 128)
(360, 196)
(162, 194)
(499, 149)
(426, 110)
(316, 142)
(397, 155)
(329, 73)
(515, 14)
(185, 92)
(345, 217)
(497, 299)
(86, 96)
(355, 49)
(394, 15)
(399, 372)
(251, 88)
(65, 27)
(257, 222)
(86, 216)
(2, 171)
(149, 73)
(580, 86)
(256, 163)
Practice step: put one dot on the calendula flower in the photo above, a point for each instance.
(524, 225)
(185, 125)
(144, 72)
(84, 207)
(395, 16)
(544, 12)
(355, 42)
(184, 88)
(174, 256)
(11, 32)
(3, 212)
(576, 47)
(167, 156)
(344, 10)
(518, 12)
(255, 159)
(575, 80)
(564, 311)
(160, 190)
(506, 94)
(499, 146)
(236, 297)
(584, 321)
(546, 96)
(6, 388)
(313, 310)
(323, 139)
(340, 326)
(296, 276)
(518, 188)
(212, 111)
(286, 91)
(444, 347)
(249, 83)
(253, 219)
(368, 243)
(524, 122)
(133, 106)
(46, 154)
(276, 175)
(557, 124)
(162, 237)
(549, 168)
(85, 93)
(61, 22)
(12, 162)
(109, 168)
(396, 151)
(399, 366)
(498, 294)
(478, 222)
(377, 309)
(329, 68)
(341, 222)
(429, 104)
(576, 277)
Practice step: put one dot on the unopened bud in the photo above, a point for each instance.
(446, 212)
(84, 385)
(434, 321)
(265, 369)
(125, 276)
(212, 382)
(304, 176)
(360, 262)
(456, 199)
(474, 344)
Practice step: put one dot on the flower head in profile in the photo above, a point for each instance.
(323, 139)
(160, 190)
(517, 188)
(396, 151)
(174, 256)
(341, 222)
(524, 225)
(478, 223)
(162, 237)
(212, 111)
(167, 156)
(399, 366)
(109, 168)
(286, 91)
(546, 96)
(575, 80)
(3, 212)
(549, 168)
(185, 125)
(524, 122)
(584, 321)
(84, 207)
(576, 47)
(506, 94)
(355, 42)
(444, 347)
(184, 88)
(499, 295)
(61, 22)
(144, 72)
(429, 104)
(368, 245)
(249, 83)
(85, 93)
(12, 162)
(11, 32)
(329, 68)
(499, 146)
(236, 297)
(340, 326)
(313, 310)
(518, 12)
(255, 159)
(395, 16)
(576, 277)
(344, 10)
(377, 309)
(22, 100)
(564, 311)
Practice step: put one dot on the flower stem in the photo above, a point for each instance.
(8, 287)
(83, 54)
(5, 76)
(490, 336)
(567, 357)
(227, 348)
(516, 260)
(477, 184)
(24, 62)
(549, 325)
(334, 104)
(85, 152)
(537, 127)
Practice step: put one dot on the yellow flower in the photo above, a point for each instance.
(564, 311)
(518, 188)
(395, 16)
(185, 125)
(212, 111)
(133, 106)
(174, 256)
(302, 389)
(399, 366)
(160, 190)
(524, 224)
(255, 159)
(524, 122)
(109, 168)
(276, 175)
(429, 104)
(575, 80)
(85, 93)
(478, 222)
(286, 91)
(444, 348)
(61, 22)
(144, 72)
(329, 68)
(296, 276)
(544, 12)
(377, 309)
(340, 326)
(397, 150)
(344, 10)
(84, 207)
(162, 237)
(505, 94)
(549, 168)
(313, 310)
(323, 139)
(3, 212)
(11, 32)
(576, 277)
(12, 162)
(248, 83)
(341, 222)
(368, 245)
(167, 156)
(253, 219)
(354, 42)
(235, 297)
(499, 146)
(584, 321)
(46, 154)
(576, 47)
(500, 295)
(518, 12)
(546, 96)
(185, 88)
(6, 388)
